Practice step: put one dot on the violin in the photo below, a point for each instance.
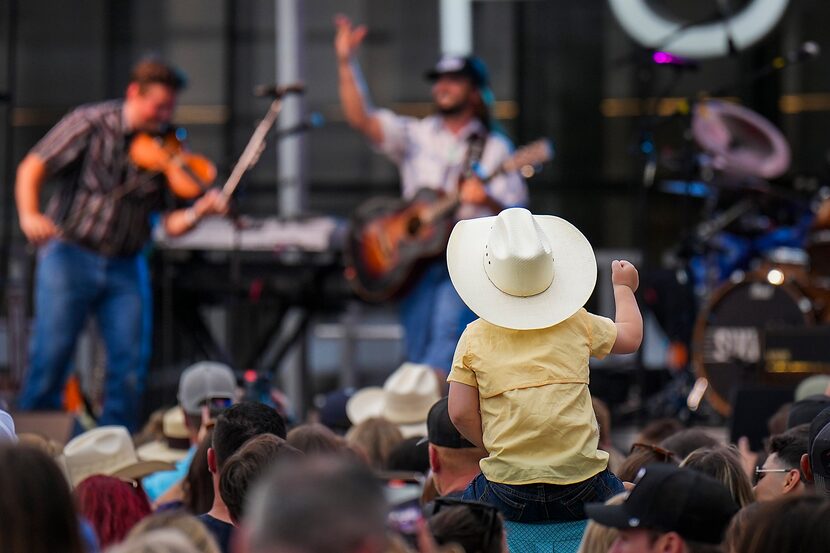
(188, 175)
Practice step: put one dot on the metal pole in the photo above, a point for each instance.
(456, 27)
(292, 158)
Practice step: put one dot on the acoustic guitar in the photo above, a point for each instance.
(390, 239)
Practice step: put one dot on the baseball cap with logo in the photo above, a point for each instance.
(672, 499)
(469, 66)
(206, 382)
(440, 429)
(819, 450)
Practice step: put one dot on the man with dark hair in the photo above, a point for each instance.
(670, 510)
(453, 459)
(247, 465)
(781, 473)
(449, 151)
(325, 505)
(233, 428)
(91, 236)
(815, 464)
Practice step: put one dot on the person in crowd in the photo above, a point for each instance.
(234, 426)
(322, 505)
(814, 463)
(670, 510)
(741, 523)
(375, 438)
(780, 474)
(805, 410)
(112, 506)
(603, 414)
(203, 384)
(519, 379)
(36, 510)
(91, 237)
(440, 152)
(687, 440)
(197, 486)
(643, 454)
(658, 430)
(599, 538)
(476, 527)
(411, 455)
(246, 466)
(788, 525)
(165, 540)
(454, 461)
(179, 520)
(315, 439)
(723, 463)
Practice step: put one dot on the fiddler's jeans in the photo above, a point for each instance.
(72, 283)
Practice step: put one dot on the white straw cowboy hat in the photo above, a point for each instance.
(175, 443)
(521, 271)
(106, 450)
(405, 399)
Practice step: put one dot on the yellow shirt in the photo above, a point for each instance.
(536, 414)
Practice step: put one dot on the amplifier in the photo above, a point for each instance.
(797, 349)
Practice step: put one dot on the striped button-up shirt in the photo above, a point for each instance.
(103, 202)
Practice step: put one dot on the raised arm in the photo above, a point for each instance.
(31, 173)
(354, 95)
(463, 407)
(629, 322)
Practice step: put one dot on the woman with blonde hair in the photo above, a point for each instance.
(179, 520)
(598, 538)
(157, 541)
(376, 438)
(723, 463)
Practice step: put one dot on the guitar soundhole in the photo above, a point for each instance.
(413, 226)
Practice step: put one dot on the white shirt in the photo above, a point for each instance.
(429, 155)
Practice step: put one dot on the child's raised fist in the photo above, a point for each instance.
(623, 272)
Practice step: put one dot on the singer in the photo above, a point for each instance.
(437, 152)
(91, 236)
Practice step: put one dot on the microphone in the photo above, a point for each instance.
(278, 91)
(667, 58)
(315, 120)
(806, 51)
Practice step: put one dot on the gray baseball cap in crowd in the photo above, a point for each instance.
(819, 449)
(206, 382)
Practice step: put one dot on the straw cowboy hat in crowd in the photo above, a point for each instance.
(521, 271)
(107, 450)
(404, 400)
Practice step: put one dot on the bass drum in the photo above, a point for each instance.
(728, 341)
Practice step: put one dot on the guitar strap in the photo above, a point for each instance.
(474, 153)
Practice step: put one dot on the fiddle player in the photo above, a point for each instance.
(435, 152)
(90, 239)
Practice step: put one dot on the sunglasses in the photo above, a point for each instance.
(664, 454)
(760, 473)
(486, 514)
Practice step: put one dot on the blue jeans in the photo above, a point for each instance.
(72, 283)
(434, 316)
(544, 502)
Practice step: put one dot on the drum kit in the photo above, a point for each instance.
(763, 281)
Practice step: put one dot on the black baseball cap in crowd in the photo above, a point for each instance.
(819, 449)
(440, 429)
(469, 66)
(671, 499)
(805, 410)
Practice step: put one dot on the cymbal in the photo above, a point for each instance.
(740, 140)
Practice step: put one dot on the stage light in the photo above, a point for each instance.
(775, 277)
(651, 28)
